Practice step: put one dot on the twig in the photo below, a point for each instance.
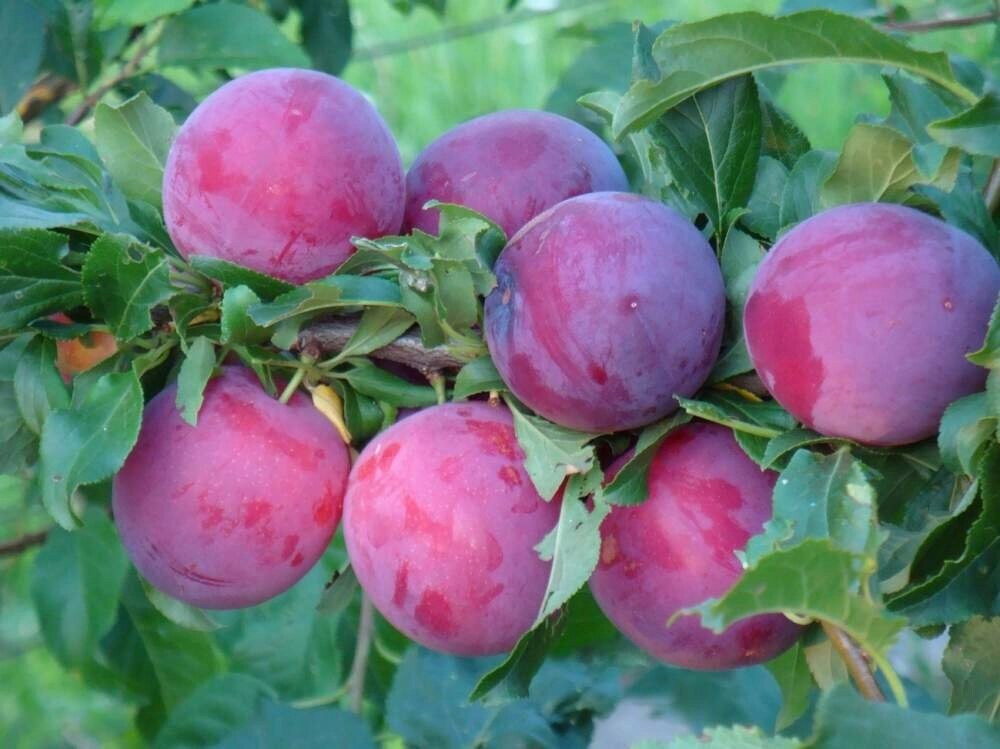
(460, 31)
(854, 659)
(129, 69)
(933, 24)
(991, 193)
(44, 92)
(330, 337)
(356, 680)
(23, 543)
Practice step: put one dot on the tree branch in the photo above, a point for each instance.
(44, 92)
(23, 543)
(934, 24)
(330, 337)
(356, 680)
(129, 69)
(854, 659)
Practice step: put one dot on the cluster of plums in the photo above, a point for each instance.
(607, 305)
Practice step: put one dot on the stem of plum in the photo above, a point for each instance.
(356, 679)
(292, 385)
(437, 381)
(854, 659)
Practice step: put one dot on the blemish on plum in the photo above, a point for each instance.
(325, 510)
(597, 373)
(254, 511)
(510, 475)
(297, 559)
(495, 438)
(288, 548)
(434, 612)
(609, 550)
(400, 584)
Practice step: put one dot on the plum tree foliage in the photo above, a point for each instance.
(591, 436)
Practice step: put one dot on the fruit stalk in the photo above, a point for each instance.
(356, 680)
(854, 659)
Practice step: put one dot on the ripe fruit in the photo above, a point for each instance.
(277, 170)
(441, 521)
(706, 498)
(237, 509)
(509, 166)
(80, 354)
(606, 306)
(859, 319)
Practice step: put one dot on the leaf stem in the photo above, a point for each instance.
(356, 680)
(934, 24)
(854, 659)
(128, 69)
(22, 543)
(292, 386)
(991, 193)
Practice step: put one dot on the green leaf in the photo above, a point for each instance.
(972, 662)
(976, 130)
(965, 208)
(89, 441)
(741, 254)
(22, 41)
(282, 725)
(181, 659)
(966, 428)
(574, 545)
(511, 679)
(33, 280)
(878, 164)
(914, 106)
(378, 327)
(235, 323)
(779, 447)
(19, 442)
(982, 534)
(695, 56)
(801, 196)
(327, 33)
(338, 593)
(224, 35)
(764, 206)
(478, 376)
(795, 679)
(329, 293)
(212, 712)
(629, 485)
(845, 720)
(782, 138)
(821, 497)
(989, 354)
(230, 274)
(714, 140)
(178, 612)
(38, 388)
(196, 370)
(123, 280)
(376, 383)
(109, 13)
(133, 139)
(814, 579)
(363, 415)
(759, 418)
(551, 452)
(76, 580)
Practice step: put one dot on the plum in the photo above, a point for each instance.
(510, 166)
(441, 521)
(77, 355)
(859, 319)
(706, 499)
(235, 510)
(606, 307)
(277, 170)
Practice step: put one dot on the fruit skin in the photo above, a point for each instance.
(606, 306)
(441, 521)
(859, 319)
(80, 354)
(234, 511)
(706, 499)
(277, 170)
(510, 166)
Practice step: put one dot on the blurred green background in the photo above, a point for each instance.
(426, 73)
